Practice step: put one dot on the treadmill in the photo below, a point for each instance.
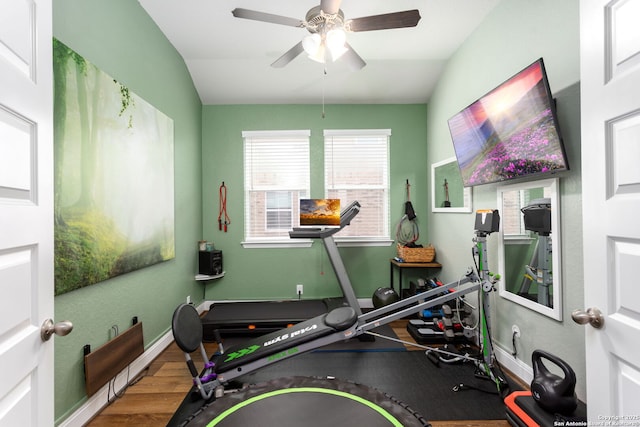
(261, 317)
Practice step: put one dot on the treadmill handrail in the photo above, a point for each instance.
(346, 215)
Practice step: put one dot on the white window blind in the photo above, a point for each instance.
(276, 167)
(279, 211)
(357, 168)
(512, 217)
(512, 220)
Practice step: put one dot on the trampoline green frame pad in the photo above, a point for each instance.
(309, 402)
(339, 394)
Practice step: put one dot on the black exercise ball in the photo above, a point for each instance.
(384, 296)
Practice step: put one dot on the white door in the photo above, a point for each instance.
(26, 212)
(610, 82)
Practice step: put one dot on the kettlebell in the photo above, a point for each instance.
(553, 393)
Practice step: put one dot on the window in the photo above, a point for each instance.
(357, 168)
(279, 211)
(513, 221)
(276, 168)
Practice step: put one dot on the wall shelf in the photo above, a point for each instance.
(205, 277)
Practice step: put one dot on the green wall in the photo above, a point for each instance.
(516, 33)
(273, 273)
(120, 38)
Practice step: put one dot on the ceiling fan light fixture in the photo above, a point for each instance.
(335, 41)
(336, 38)
(319, 54)
(315, 47)
(311, 43)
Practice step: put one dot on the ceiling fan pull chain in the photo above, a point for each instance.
(324, 74)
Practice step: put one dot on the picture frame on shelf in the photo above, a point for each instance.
(447, 192)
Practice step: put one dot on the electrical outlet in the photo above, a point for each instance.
(188, 299)
(299, 289)
(515, 330)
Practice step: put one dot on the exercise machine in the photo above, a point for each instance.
(349, 321)
(260, 317)
(537, 218)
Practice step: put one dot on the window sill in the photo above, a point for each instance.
(306, 243)
(345, 242)
(289, 243)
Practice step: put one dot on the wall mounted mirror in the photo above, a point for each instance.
(529, 246)
(447, 192)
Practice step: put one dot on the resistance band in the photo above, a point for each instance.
(222, 193)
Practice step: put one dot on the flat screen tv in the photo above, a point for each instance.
(320, 213)
(511, 132)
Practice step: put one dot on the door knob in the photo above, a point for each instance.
(49, 328)
(593, 316)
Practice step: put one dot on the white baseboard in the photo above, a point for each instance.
(365, 302)
(516, 366)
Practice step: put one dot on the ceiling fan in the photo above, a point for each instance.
(327, 31)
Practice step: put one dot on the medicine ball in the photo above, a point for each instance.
(553, 393)
(384, 296)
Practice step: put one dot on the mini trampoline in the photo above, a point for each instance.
(308, 401)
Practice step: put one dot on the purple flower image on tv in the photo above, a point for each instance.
(509, 133)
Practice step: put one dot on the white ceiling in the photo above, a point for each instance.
(229, 58)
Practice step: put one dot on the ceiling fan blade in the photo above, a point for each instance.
(330, 7)
(266, 17)
(353, 60)
(408, 18)
(288, 56)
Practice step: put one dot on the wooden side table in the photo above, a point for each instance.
(402, 265)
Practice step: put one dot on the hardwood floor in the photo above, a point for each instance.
(152, 400)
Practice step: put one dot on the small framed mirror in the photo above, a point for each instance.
(447, 192)
(529, 246)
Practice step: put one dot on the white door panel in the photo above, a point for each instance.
(17, 35)
(26, 212)
(16, 166)
(622, 40)
(610, 81)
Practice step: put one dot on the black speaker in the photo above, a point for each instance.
(210, 262)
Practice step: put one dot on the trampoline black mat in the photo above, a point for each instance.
(309, 402)
(408, 376)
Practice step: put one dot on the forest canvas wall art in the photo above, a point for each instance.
(113, 176)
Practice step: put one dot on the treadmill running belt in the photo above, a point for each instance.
(259, 317)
